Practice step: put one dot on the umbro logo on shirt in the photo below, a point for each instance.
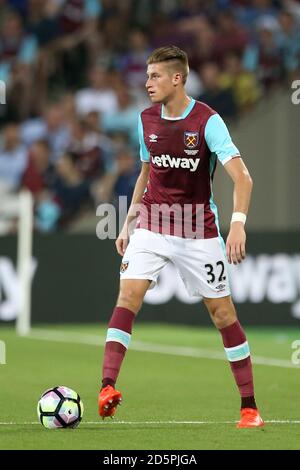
(176, 162)
(153, 138)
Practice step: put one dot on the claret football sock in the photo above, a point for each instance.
(238, 353)
(117, 343)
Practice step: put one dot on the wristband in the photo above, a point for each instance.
(238, 217)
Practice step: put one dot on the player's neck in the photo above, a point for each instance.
(176, 107)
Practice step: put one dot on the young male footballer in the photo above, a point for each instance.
(180, 142)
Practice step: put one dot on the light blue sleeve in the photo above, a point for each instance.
(144, 153)
(218, 139)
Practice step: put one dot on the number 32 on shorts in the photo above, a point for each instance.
(215, 271)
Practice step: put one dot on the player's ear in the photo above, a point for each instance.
(177, 78)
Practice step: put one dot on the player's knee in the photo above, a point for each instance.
(223, 317)
(131, 299)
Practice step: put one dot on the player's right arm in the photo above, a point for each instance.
(141, 183)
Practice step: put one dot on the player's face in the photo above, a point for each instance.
(161, 82)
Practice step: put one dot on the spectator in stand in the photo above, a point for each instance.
(293, 7)
(78, 15)
(42, 20)
(68, 105)
(288, 39)
(72, 191)
(128, 171)
(18, 53)
(85, 145)
(249, 13)
(13, 158)
(231, 36)
(68, 36)
(76, 49)
(125, 118)
(43, 23)
(204, 40)
(39, 175)
(238, 50)
(52, 127)
(119, 182)
(264, 58)
(192, 8)
(132, 63)
(164, 31)
(99, 97)
(214, 95)
(104, 142)
(243, 84)
(40, 178)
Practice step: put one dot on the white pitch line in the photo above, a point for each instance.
(135, 423)
(140, 346)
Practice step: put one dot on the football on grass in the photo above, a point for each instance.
(60, 407)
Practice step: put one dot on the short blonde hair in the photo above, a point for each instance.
(176, 58)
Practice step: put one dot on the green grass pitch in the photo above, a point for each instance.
(178, 392)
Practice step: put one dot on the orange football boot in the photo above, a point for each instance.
(250, 418)
(108, 400)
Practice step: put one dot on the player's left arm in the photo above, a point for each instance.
(220, 143)
(236, 240)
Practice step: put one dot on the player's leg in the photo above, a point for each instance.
(223, 315)
(130, 299)
(142, 262)
(203, 268)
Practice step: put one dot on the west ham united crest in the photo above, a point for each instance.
(124, 266)
(191, 139)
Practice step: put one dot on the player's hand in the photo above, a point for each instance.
(122, 241)
(236, 243)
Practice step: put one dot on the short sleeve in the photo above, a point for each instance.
(218, 139)
(144, 153)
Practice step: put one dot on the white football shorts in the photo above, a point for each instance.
(201, 263)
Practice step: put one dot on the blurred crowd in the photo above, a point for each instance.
(74, 74)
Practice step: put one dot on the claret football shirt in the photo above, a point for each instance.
(183, 154)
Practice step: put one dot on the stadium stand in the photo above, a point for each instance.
(74, 72)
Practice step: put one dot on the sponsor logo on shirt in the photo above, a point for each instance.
(153, 138)
(191, 152)
(167, 161)
(191, 139)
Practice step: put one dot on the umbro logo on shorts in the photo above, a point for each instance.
(221, 287)
(176, 162)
